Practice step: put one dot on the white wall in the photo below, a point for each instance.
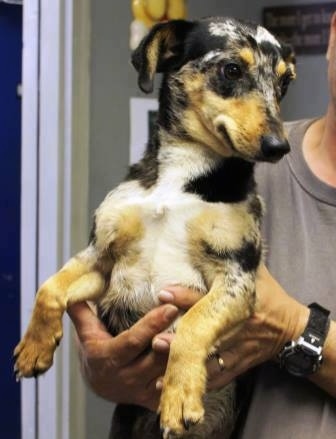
(113, 82)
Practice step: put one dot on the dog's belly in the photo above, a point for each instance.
(168, 242)
(161, 258)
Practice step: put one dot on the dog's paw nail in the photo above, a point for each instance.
(165, 432)
(188, 423)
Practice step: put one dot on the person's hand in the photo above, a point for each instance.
(277, 319)
(123, 369)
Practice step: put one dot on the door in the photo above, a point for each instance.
(10, 176)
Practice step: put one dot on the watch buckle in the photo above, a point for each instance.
(307, 346)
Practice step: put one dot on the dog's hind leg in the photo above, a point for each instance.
(229, 302)
(77, 281)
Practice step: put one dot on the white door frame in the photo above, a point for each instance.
(54, 196)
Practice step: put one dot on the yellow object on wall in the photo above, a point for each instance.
(146, 13)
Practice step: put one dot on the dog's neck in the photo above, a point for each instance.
(197, 169)
(188, 159)
(190, 167)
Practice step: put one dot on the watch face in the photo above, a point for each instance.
(301, 364)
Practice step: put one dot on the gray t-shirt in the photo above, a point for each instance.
(300, 235)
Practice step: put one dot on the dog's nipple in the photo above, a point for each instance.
(160, 211)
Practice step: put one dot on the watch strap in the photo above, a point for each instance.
(303, 356)
(318, 325)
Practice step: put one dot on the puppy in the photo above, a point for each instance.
(187, 213)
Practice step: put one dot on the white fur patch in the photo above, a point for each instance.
(229, 29)
(164, 257)
(211, 55)
(264, 36)
(223, 29)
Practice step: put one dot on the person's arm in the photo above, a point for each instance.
(326, 376)
(278, 318)
(122, 369)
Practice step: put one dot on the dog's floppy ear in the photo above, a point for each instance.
(161, 50)
(288, 55)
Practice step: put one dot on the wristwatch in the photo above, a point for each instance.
(303, 356)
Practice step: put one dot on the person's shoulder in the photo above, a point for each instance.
(299, 125)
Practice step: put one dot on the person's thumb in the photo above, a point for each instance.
(180, 296)
(86, 322)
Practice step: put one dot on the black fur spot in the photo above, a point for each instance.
(255, 208)
(248, 256)
(230, 182)
(210, 252)
(200, 42)
(173, 100)
(93, 238)
(222, 86)
(119, 318)
(146, 171)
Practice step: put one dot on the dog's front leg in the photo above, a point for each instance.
(229, 302)
(76, 281)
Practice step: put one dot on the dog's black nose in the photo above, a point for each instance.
(273, 148)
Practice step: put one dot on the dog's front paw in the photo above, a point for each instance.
(34, 354)
(181, 404)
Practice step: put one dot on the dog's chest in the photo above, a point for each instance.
(159, 237)
(151, 233)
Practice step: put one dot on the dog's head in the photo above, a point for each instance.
(222, 85)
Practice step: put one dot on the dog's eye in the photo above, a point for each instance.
(232, 71)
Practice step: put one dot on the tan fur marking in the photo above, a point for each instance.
(90, 284)
(235, 114)
(222, 230)
(222, 227)
(247, 55)
(196, 126)
(281, 68)
(53, 291)
(74, 282)
(130, 229)
(194, 82)
(153, 52)
(153, 56)
(208, 111)
(194, 122)
(185, 379)
(118, 227)
(293, 70)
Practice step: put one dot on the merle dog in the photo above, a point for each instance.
(187, 213)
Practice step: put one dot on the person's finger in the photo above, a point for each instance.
(161, 342)
(148, 366)
(131, 343)
(219, 374)
(86, 322)
(180, 296)
(159, 383)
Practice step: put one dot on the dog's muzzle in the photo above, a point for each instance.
(273, 148)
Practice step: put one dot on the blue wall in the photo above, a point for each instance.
(10, 174)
